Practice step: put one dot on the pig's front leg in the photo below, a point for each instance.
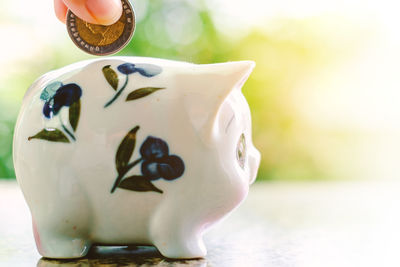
(61, 224)
(58, 245)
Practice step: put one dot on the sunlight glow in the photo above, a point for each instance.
(328, 69)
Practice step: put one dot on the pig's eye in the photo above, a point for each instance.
(241, 151)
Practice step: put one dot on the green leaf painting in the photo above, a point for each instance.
(144, 70)
(50, 134)
(111, 76)
(125, 150)
(142, 92)
(74, 113)
(138, 183)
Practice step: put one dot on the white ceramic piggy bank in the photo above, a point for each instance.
(131, 150)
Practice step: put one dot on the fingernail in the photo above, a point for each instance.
(105, 12)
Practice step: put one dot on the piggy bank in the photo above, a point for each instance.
(131, 150)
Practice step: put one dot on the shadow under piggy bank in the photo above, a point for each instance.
(121, 256)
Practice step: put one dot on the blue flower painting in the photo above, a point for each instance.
(57, 95)
(147, 70)
(156, 163)
(65, 96)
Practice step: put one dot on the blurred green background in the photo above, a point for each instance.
(323, 96)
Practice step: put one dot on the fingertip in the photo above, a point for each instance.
(61, 10)
(105, 12)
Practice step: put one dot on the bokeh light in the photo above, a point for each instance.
(323, 95)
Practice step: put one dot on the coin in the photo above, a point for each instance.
(101, 40)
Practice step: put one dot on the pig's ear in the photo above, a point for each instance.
(206, 87)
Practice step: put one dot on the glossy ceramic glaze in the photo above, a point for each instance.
(131, 150)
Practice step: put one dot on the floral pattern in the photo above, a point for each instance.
(65, 96)
(156, 160)
(146, 70)
(156, 163)
(57, 95)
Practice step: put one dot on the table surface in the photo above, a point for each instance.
(280, 224)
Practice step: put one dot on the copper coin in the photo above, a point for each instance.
(102, 40)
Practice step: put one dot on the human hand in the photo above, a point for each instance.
(105, 12)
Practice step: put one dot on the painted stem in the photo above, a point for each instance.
(118, 93)
(65, 129)
(68, 132)
(122, 174)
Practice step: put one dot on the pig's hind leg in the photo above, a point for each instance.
(176, 234)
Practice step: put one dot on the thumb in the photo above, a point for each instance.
(105, 12)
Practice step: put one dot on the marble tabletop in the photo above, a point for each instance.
(280, 224)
